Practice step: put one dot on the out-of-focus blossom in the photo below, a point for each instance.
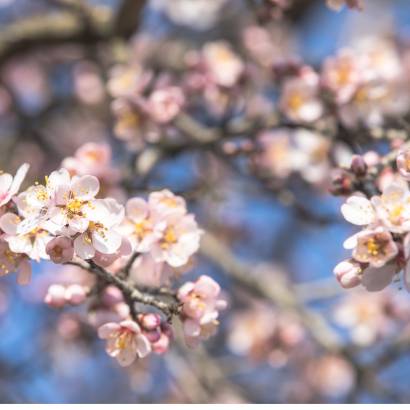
(304, 152)
(224, 66)
(165, 104)
(331, 375)
(403, 164)
(371, 316)
(342, 75)
(265, 334)
(59, 295)
(201, 306)
(338, 4)
(125, 341)
(299, 100)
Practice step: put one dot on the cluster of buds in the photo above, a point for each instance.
(382, 248)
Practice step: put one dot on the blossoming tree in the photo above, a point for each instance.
(175, 192)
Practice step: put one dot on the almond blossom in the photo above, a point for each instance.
(299, 99)
(9, 186)
(224, 66)
(100, 234)
(201, 305)
(179, 240)
(125, 341)
(32, 243)
(338, 4)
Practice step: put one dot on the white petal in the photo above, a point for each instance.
(9, 223)
(107, 241)
(83, 248)
(18, 179)
(376, 279)
(358, 211)
(85, 187)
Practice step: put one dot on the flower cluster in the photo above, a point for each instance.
(338, 4)
(66, 221)
(382, 248)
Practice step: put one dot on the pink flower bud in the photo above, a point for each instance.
(161, 346)
(152, 335)
(55, 296)
(75, 294)
(149, 321)
(60, 249)
(358, 166)
(111, 296)
(348, 274)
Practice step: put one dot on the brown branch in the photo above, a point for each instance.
(131, 292)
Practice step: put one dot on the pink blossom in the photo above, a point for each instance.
(179, 240)
(200, 310)
(165, 104)
(299, 100)
(403, 164)
(60, 249)
(32, 243)
(348, 273)
(55, 296)
(9, 186)
(125, 341)
(341, 75)
(224, 66)
(101, 232)
(375, 247)
(338, 4)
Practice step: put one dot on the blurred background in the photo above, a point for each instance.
(291, 333)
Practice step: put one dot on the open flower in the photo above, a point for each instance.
(179, 240)
(375, 247)
(201, 305)
(125, 341)
(341, 75)
(101, 234)
(299, 100)
(224, 66)
(139, 225)
(392, 207)
(74, 201)
(9, 186)
(165, 104)
(32, 243)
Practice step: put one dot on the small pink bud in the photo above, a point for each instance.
(348, 274)
(75, 294)
(358, 166)
(161, 346)
(150, 321)
(55, 296)
(152, 335)
(111, 296)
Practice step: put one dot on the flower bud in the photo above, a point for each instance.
(55, 296)
(348, 274)
(358, 166)
(149, 321)
(75, 294)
